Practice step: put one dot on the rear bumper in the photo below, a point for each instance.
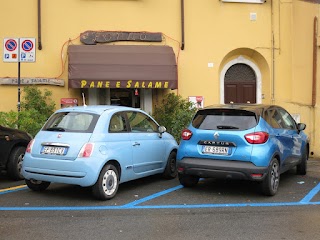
(77, 172)
(210, 168)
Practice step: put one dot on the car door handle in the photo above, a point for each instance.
(136, 144)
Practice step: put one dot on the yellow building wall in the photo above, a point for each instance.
(294, 64)
(216, 33)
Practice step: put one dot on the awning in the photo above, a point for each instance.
(122, 66)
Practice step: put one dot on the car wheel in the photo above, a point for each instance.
(188, 180)
(15, 163)
(302, 167)
(107, 184)
(270, 183)
(36, 185)
(170, 171)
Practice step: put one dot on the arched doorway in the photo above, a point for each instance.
(240, 84)
(240, 81)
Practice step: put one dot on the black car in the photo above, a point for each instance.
(13, 144)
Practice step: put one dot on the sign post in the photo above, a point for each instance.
(19, 50)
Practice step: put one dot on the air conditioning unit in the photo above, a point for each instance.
(244, 1)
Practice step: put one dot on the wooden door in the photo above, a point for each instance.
(240, 84)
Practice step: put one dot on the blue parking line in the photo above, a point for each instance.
(182, 206)
(227, 205)
(134, 205)
(311, 194)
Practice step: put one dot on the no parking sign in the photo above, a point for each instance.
(19, 50)
(10, 49)
(27, 50)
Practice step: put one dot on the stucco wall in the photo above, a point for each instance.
(215, 33)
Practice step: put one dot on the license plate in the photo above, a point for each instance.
(54, 150)
(216, 150)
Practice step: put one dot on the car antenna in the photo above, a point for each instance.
(84, 100)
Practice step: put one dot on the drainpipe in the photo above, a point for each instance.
(182, 24)
(39, 25)
(315, 59)
(314, 78)
(272, 57)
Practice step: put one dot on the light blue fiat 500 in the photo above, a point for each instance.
(99, 146)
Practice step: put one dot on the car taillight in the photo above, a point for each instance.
(29, 147)
(86, 150)
(186, 134)
(257, 137)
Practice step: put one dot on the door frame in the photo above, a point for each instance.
(255, 68)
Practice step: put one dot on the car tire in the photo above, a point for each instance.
(270, 183)
(188, 180)
(170, 171)
(302, 166)
(15, 163)
(107, 184)
(36, 185)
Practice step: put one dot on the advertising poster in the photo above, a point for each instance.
(197, 101)
(68, 102)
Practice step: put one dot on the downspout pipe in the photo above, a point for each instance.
(315, 60)
(182, 24)
(39, 25)
(272, 57)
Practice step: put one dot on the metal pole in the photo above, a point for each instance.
(18, 86)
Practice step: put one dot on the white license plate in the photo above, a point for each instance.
(54, 150)
(216, 150)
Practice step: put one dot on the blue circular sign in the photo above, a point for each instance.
(11, 45)
(27, 45)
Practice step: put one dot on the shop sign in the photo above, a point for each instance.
(124, 84)
(32, 81)
(94, 37)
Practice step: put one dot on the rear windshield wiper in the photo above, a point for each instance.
(58, 129)
(226, 127)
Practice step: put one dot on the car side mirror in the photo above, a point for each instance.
(301, 126)
(161, 130)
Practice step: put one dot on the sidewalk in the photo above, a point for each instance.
(313, 168)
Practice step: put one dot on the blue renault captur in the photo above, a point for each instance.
(249, 141)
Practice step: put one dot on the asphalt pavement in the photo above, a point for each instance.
(314, 167)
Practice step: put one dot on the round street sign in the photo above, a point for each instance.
(11, 45)
(27, 45)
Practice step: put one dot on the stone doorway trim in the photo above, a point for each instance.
(255, 68)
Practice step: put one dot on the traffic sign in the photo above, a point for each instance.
(11, 45)
(10, 49)
(19, 50)
(27, 50)
(27, 45)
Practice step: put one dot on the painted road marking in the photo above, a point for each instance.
(13, 189)
(136, 202)
(311, 194)
(133, 205)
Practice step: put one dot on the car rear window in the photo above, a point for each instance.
(72, 122)
(224, 119)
